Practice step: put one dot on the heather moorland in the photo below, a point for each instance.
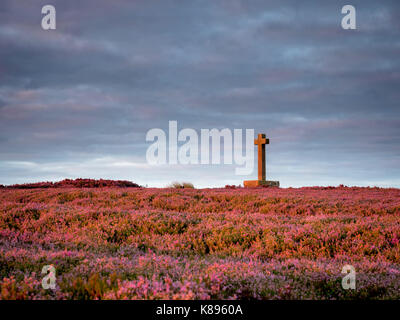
(119, 242)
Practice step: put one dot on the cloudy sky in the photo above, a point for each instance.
(78, 101)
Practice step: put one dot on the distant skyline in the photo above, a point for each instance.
(77, 102)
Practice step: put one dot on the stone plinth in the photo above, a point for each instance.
(260, 183)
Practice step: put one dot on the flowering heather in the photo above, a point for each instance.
(233, 243)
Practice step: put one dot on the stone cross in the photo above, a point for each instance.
(260, 142)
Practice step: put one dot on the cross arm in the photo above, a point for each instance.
(261, 141)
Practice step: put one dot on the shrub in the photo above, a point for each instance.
(181, 185)
(77, 183)
(228, 186)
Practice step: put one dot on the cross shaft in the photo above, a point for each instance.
(261, 141)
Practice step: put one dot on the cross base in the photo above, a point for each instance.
(260, 183)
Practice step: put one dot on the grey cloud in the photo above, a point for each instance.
(113, 70)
